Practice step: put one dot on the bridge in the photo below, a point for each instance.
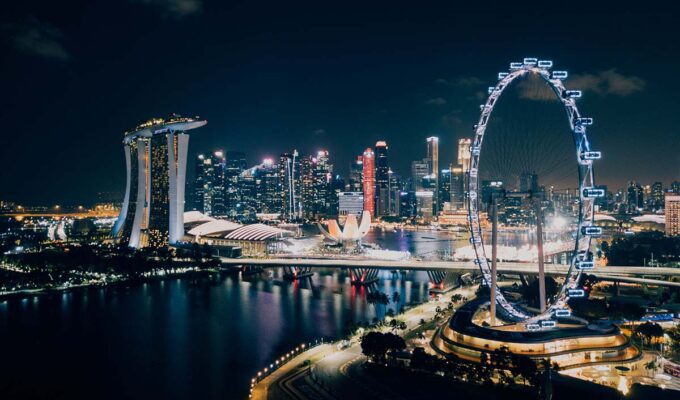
(640, 275)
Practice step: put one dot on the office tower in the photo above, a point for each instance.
(635, 197)
(675, 187)
(269, 187)
(218, 196)
(395, 190)
(356, 173)
(672, 211)
(457, 196)
(382, 179)
(289, 178)
(155, 156)
(201, 182)
(424, 202)
(407, 204)
(350, 203)
(528, 182)
(491, 190)
(369, 181)
(657, 196)
(464, 153)
(234, 165)
(444, 193)
(433, 156)
(419, 170)
(316, 175)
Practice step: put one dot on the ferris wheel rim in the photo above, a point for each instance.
(586, 214)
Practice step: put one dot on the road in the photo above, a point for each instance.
(336, 374)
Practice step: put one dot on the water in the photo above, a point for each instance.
(184, 338)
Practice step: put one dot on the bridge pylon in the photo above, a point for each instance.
(294, 273)
(442, 281)
(363, 276)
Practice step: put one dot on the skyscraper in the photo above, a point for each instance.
(464, 153)
(269, 187)
(356, 173)
(155, 156)
(433, 156)
(200, 184)
(419, 170)
(382, 179)
(635, 197)
(289, 178)
(657, 196)
(672, 210)
(369, 184)
(234, 165)
(457, 187)
(218, 196)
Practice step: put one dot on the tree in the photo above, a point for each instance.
(531, 293)
(524, 367)
(456, 298)
(674, 338)
(650, 331)
(651, 366)
(396, 297)
(375, 345)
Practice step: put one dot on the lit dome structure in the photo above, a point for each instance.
(351, 232)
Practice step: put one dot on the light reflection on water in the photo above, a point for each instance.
(193, 337)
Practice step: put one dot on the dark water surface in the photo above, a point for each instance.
(183, 338)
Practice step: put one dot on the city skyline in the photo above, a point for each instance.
(350, 81)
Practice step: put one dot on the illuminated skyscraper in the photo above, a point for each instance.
(433, 155)
(672, 210)
(464, 153)
(289, 177)
(382, 179)
(420, 169)
(356, 175)
(657, 196)
(155, 156)
(369, 181)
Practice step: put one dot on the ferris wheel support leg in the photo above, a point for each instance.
(494, 254)
(541, 261)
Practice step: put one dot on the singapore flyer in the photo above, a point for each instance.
(581, 258)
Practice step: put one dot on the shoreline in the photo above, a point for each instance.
(45, 291)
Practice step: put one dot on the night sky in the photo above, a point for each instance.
(270, 77)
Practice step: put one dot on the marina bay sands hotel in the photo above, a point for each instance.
(156, 161)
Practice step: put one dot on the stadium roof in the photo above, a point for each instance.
(214, 227)
(256, 232)
(191, 217)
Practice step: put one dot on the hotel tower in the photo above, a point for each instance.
(155, 160)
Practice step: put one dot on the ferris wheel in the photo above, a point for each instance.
(581, 259)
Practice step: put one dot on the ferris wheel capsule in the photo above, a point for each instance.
(530, 61)
(591, 230)
(584, 121)
(591, 192)
(562, 312)
(560, 74)
(548, 323)
(502, 75)
(533, 327)
(590, 155)
(491, 89)
(585, 265)
(516, 65)
(545, 64)
(573, 94)
(576, 293)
